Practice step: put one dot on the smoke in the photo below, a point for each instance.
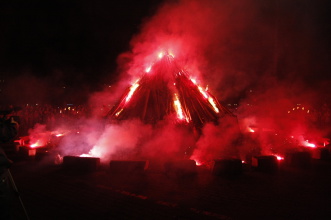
(130, 140)
(218, 141)
(212, 39)
(254, 52)
(246, 51)
(38, 135)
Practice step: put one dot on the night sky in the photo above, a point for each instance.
(75, 44)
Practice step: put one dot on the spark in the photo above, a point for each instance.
(119, 112)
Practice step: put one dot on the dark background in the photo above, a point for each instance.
(73, 45)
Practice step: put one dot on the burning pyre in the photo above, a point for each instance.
(166, 89)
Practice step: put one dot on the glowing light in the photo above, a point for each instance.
(133, 88)
(36, 144)
(85, 155)
(198, 163)
(59, 135)
(203, 92)
(161, 54)
(119, 112)
(212, 102)
(178, 108)
(243, 161)
(148, 69)
(279, 157)
(206, 96)
(251, 130)
(307, 144)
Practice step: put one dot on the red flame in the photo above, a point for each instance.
(307, 144)
(279, 157)
(198, 163)
(179, 109)
(38, 143)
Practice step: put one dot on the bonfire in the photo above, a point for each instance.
(167, 89)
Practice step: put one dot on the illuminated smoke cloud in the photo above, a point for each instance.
(218, 141)
(233, 47)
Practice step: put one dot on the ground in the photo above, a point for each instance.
(50, 191)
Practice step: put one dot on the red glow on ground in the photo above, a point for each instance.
(279, 158)
(38, 143)
(198, 163)
(307, 144)
(85, 155)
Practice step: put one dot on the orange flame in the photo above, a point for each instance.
(279, 157)
(133, 88)
(212, 102)
(38, 143)
(179, 110)
(307, 144)
(206, 96)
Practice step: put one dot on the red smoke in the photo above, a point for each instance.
(240, 49)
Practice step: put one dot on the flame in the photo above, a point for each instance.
(212, 102)
(194, 81)
(198, 163)
(279, 157)
(307, 144)
(148, 69)
(203, 92)
(85, 155)
(38, 143)
(96, 151)
(206, 96)
(179, 110)
(133, 88)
